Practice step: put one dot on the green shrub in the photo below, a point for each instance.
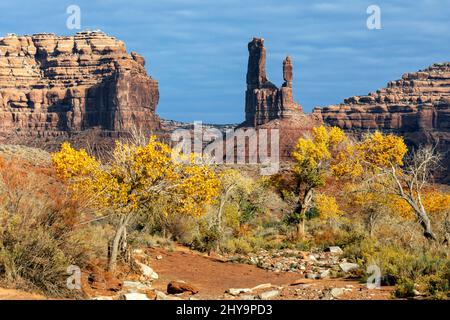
(237, 245)
(208, 238)
(404, 288)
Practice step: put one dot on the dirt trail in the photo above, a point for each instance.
(213, 277)
(10, 294)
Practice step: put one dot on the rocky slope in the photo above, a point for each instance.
(51, 85)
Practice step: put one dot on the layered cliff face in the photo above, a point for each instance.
(264, 101)
(51, 85)
(417, 106)
(420, 101)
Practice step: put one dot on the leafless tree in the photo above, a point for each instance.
(409, 182)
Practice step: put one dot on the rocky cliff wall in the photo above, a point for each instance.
(51, 85)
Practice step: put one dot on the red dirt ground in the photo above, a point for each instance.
(213, 277)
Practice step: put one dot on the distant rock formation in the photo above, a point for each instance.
(420, 101)
(416, 106)
(269, 107)
(264, 101)
(51, 85)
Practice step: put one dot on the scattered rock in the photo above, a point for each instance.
(297, 282)
(312, 276)
(175, 287)
(159, 257)
(325, 274)
(135, 286)
(334, 249)
(147, 271)
(269, 295)
(336, 292)
(134, 296)
(236, 292)
(248, 297)
(348, 267)
(162, 296)
(103, 298)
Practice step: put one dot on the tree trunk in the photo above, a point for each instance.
(424, 222)
(301, 229)
(115, 246)
(302, 207)
(447, 230)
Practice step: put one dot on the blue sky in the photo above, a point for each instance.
(197, 49)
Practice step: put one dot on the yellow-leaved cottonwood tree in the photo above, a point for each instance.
(381, 161)
(314, 157)
(134, 179)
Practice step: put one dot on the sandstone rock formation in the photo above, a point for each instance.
(51, 85)
(269, 107)
(420, 101)
(417, 106)
(264, 101)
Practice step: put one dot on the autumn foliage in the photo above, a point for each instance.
(137, 178)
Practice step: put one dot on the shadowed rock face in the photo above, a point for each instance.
(51, 85)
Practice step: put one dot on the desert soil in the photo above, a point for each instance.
(212, 276)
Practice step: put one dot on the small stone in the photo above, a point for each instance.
(102, 298)
(236, 292)
(135, 286)
(348, 267)
(297, 282)
(248, 297)
(175, 287)
(159, 257)
(312, 276)
(147, 271)
(269, 295)
(416, 292)
(162, 296)
(334, 249)
(325, 274)
(336, 292)
(134, 296)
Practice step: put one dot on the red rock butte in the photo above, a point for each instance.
(50, 85)
(417, 106)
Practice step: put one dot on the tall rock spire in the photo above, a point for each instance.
(256, 70)
(287, 72)
(265, 101)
